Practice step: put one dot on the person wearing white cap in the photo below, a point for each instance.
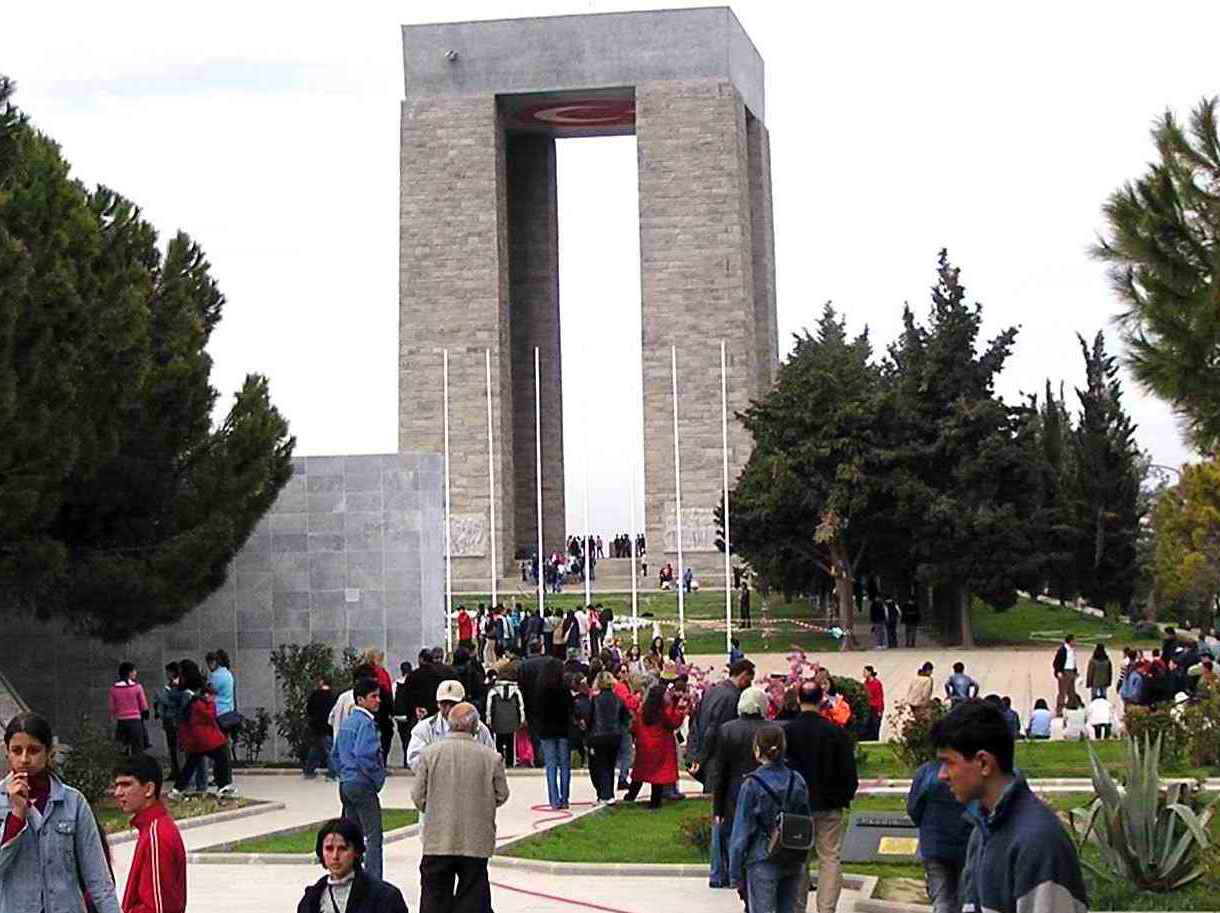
(434, 728)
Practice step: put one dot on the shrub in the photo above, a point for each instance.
(1153, 840)
(88, 761)
(1201, 722)
(253, 735)
(1146, 630)
(912, 726)
(857, 697)
(697, 832)
(297, 669)
(1159, 723)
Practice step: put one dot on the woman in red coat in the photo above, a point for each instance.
(199, 736)
(656, 750)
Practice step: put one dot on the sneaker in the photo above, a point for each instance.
(212, 792)
(611, 801)
(226, 792)
(175, 794)
(623, 786)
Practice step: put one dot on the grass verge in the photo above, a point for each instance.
(304, 838)
(114, 821)
(1030, 622)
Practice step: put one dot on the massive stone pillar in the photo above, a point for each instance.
(454, 294)
(533, 239)
(697, 261)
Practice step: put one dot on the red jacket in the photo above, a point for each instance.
(156, 882)
(656, 750)
(200, 734)
(876, 695)
(465, 626)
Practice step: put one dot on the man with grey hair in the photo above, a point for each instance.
(432, 729)
(459, 784)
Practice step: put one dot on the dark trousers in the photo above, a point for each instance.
(506, 744)
(655, 792)
(404, 736)
(220, 760)
(745, 615)
(910, 630)
(387, 739)
(436, 882)
(891, 634)
(603, 752)
(171, 745)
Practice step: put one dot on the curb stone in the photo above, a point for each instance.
(185, 824)
(218, 855)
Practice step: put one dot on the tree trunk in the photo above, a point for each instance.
(844, 595)
(963, 602)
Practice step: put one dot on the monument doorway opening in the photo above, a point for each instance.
(599, 306)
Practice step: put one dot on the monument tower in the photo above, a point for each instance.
(485, 102)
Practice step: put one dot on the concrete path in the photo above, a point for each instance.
(258, 888)
(1023, 674)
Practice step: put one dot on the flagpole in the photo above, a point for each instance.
(588, 549)
(673, 356)
(635, 595)
(724, 439)
(538, 478)
(491, 481)
(448, 536)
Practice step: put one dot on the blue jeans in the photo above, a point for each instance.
(361, 804)
(624, 759)
(718, 877)
(557, 755)
(771, 888)
(320, 749)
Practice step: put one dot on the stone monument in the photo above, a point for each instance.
(485, 103)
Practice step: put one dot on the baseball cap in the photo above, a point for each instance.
(451, 690)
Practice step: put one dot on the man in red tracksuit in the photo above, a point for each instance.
(157, 880)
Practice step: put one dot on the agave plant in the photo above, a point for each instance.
(1151, 839)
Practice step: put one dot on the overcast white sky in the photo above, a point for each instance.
(269, 132)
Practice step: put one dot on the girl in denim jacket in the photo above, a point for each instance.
(50, 847)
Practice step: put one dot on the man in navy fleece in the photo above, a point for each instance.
(1020, 857)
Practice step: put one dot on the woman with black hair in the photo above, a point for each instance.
(199, 735)
(128, 709)
(50, 845)
(656, 750)
(347, 887)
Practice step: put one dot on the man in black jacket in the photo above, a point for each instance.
(718, 707)
(824, 755)
(346, 885)
(317, 711)
(733, 759)
(533, 670)
(427, 678)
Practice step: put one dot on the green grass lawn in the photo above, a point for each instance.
(113, 820)
(774, 631)
(633, 834)
(1035, 759)
(304, 839)
(1030, 622)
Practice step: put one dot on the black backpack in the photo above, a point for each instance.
(791, 837)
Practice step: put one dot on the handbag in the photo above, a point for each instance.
(791, 836)
(230, 721)
(524, 748)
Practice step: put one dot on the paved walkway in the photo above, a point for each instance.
(1023, 674)
(259, 888)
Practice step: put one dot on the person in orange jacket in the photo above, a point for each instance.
(157, 880)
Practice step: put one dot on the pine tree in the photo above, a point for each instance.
(1163, 248)
(808, 502)
(1108, 477)
(120, 505)
(963, 488)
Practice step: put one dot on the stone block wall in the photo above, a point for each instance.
(349, 555)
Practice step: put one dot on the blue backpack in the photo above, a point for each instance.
(1132, 690)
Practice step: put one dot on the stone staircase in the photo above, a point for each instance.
(613, 575)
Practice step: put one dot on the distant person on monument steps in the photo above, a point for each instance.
(744, 603)
(910, 620)
(892, 616)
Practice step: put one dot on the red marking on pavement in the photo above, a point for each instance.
(567, 900)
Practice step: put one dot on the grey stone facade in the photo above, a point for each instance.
(351, 554)
(484, 102)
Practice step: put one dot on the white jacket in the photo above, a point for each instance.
(433, 729)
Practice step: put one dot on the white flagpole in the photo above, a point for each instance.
(673, 356)
(491, 482)
(724, 439)
(588, 550)
(448, 537)
(538, 477)
(635, 595)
